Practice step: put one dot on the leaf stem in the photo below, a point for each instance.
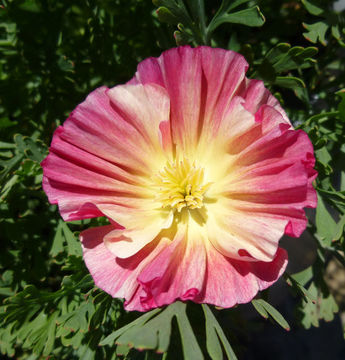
(202, 18)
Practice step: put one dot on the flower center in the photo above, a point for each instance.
(180, 185)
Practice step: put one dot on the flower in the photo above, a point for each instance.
(198, 170)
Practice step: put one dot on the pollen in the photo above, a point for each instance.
(181, 185)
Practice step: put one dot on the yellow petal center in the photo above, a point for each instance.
(181, 184)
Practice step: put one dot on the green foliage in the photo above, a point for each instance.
(296, 281)
(153, 331)
(317, 302)
(21, 158)
(326, 226)
(191, 20)
(64, 235)
(266, 310)
(282, 59)
(323, 309)
(53, 53)
(332, 21)
(215, 338)
(45, 322)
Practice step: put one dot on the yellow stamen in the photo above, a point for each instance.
(180, 185)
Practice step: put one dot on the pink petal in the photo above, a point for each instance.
(179, 72)
(282, 184)
(230, 282)
(183, 269)
(140, 228)
(189, 75)
(223, 77)
(177, 272)
(271, 173)
(269, 126)
(231, 232)
(118, 277)
(104, 152)
(144, 108)
(189, 268)
(256, 95)
(96, 127)
(236, 120)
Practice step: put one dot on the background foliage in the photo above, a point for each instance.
(53, 53)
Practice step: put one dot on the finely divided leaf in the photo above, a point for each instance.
(316, 32)
(153, 329)
(324, 308)
(264, 308)
(249, 17)
(215, 337)
(325, 224)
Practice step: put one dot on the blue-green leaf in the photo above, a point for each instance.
(324, 308)
(312, 8)
(289, 82)
(165, 15)
(316, 32)
(153, 329)
(215, 337)
(298, 280)
(263, 307)
(341, 106)
(249, 17)
(325, 224)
